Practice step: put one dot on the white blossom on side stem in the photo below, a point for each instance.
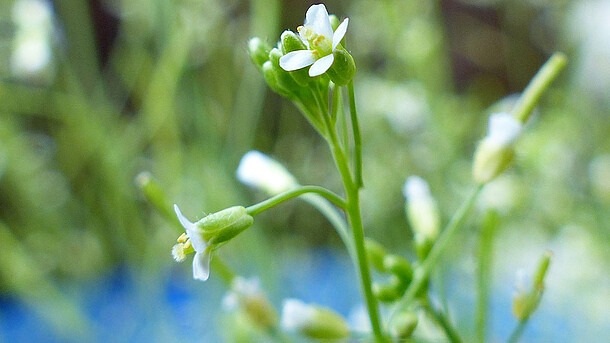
(201, 261)
(321, 41)
(260, 171)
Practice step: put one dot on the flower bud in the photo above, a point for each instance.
(292, 42)
(398, 266)
(526, 300)
(403, 325)
(389, 290)
(423, 245)
(496, 151)
(334, 21)
(259, 51)
(262, 172)
(270, 75)
(224, 225)
(247, 295)
(284, 79)
(421, 208)
(343, 69)
(313, 321)
(376, 253)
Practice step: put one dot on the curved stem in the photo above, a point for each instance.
(273, 201)
(421, 274)
(539, 83)
(443, 321)
(357, 139)
(517, 331)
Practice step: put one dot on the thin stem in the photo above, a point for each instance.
(422, 273)
(517, 332)
(485, 262)
(357, 139)
(541, 81)
(443, 321)
(352, 211)
(273, 201)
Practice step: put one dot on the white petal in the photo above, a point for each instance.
(194, 232)
(340, 33)
(317, 18)
(503, 128)
(295, 315)
(201, 265)
(416, 188)
(261, 171)
(296, 60)
(321, 65)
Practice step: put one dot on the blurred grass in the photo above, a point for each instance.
(175, 94)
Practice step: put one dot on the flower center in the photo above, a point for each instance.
(319, 43)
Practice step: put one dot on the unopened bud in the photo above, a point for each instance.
(270, 75)
(398, 266)
(259, 51)
(403, 325)
(313, 321)
(343, 69)
(224, 225)
(375, 253)
(284, 79)
(422, 210)
(292, 42)
(496, 151)
(390, 290)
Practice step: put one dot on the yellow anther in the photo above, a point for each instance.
(183, 238)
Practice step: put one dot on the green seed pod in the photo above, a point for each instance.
(398, 266)
(259, 51)
(343, 69)
(222, 226)
(375, 253)
(403, 325)
(292, 42)
(284, 79)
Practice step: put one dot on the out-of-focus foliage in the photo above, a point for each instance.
(92, 93)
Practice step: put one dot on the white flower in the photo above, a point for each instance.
(261, 171)
(201, 261)
(503, 129)
(422, 209)
(318, 36)
(296, 315)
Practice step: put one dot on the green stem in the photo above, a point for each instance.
(443, 321)
(485, 261)
(541, 81)
(357, 139)
(421, 274)
(517, 332)
(273, 201)
(352, 210)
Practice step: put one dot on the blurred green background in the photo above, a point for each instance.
(94, 92)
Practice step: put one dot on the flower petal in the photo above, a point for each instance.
(317, 18)
(321, 65)
(340, 33)
(201, 265)
(194, 232)
(296, 60)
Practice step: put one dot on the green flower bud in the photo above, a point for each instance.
(313, 321)
(423, 245)
(270, 75)
(284, 79)
(334, 21)
(403, 325)
(495, 152)
(343, 69)
(526, 301)
(390, 290)
(292, 42)
(398, 266)
(246, 294)
(224, 225)
(376, 253)
(259, 51)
